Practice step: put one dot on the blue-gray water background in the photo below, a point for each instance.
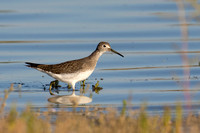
(148, 33)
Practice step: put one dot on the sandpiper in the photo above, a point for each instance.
(74, 71)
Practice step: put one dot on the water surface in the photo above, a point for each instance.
(147, 33)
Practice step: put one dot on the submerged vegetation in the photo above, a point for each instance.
(84, 87)
(94, 120)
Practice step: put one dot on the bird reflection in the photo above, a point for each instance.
(74, 99)
(70, 99)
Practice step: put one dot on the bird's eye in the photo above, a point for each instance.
(104, 45)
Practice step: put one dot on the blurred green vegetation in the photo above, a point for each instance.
(89, 121)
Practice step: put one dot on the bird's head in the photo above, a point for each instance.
(105, 46)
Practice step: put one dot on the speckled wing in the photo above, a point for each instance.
(65, 67)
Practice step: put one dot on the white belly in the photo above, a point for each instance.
(71, 77)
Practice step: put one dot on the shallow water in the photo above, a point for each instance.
(147, 33)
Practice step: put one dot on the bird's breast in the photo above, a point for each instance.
(72, 77)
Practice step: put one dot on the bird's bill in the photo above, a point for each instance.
(116, 52)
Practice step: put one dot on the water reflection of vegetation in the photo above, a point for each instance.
(84, 87)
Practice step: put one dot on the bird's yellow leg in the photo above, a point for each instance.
(50, 86)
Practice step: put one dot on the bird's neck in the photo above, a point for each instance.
(95, 55)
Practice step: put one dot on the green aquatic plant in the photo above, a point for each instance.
(96, 88)
(124, 108)
(84, 88)
(69, 86)
(82, 83)
(54, 84)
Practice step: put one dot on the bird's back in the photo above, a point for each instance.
(73, 66)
